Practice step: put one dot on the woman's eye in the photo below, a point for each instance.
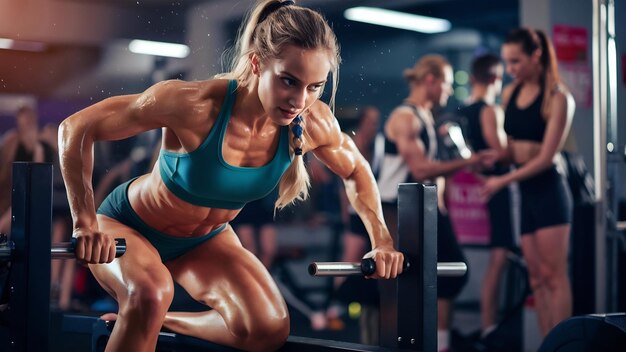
(315, 88)
(288, 81)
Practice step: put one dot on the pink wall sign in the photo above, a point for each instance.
(571, 46)
(570, 43)
(468, 214)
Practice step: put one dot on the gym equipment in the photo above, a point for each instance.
(368, 267)
(61, 250)
(27, 257)
(408, 304)
(601, 332)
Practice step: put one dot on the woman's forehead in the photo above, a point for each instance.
(311, 65)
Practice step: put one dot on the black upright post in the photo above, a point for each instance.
(31, 225)
(408, 305)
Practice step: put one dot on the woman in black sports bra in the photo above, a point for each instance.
(538, 116)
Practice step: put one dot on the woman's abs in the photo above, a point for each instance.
(165, 212)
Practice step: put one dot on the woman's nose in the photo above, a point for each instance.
(298, 101)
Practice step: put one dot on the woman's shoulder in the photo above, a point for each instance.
(319, 114)
(562, 99)
(185, 97)
(560, 89)
(320, 123)
(177, 90)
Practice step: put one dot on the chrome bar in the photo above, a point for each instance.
(335, 269)
(447, 269)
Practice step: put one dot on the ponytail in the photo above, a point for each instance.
(295, 183)
(551, 78)
(530, 40)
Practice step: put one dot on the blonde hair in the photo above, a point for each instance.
(269, 27)
(431, 64)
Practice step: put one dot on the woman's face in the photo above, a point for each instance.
(519, 65)
(293, 82)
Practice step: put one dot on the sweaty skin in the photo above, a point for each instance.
(219, 272)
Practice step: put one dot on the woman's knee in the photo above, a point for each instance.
(263, 328)
(149, 298)
(554, 277)
(267, 334)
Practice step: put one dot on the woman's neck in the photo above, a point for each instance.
(535, 77)
(248, 107)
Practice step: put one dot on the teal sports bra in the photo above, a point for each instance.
(202, 177)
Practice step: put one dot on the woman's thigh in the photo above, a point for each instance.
(553, 247)
(223, 275)
(140, 265)
(529, 250)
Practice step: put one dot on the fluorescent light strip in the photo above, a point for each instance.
(21, 45)
(397, 19)
(158, 48)
(6, 43)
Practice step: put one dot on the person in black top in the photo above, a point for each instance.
(538, 116)
(485, 129)
(410, 156)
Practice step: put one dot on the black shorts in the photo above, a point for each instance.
(546, 201)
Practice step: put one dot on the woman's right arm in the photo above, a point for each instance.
(111, 119)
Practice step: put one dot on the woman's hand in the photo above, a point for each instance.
(94, 247)
(389, 262)
(491, 186)
(489, 157)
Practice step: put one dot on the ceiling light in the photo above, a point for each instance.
(158, 48)
(397, 19)
(21, 45)
(6, 43)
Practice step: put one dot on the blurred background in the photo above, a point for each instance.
(59, 56)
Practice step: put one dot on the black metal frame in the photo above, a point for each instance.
(408, 304)
(29, 278)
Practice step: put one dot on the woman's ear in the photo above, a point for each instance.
(256, 64)
(537, 55)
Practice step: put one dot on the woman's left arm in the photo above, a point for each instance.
(339, 153)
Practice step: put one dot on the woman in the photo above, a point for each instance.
(225, 142)
(538, 116)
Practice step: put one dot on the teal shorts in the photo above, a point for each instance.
(117, 206)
